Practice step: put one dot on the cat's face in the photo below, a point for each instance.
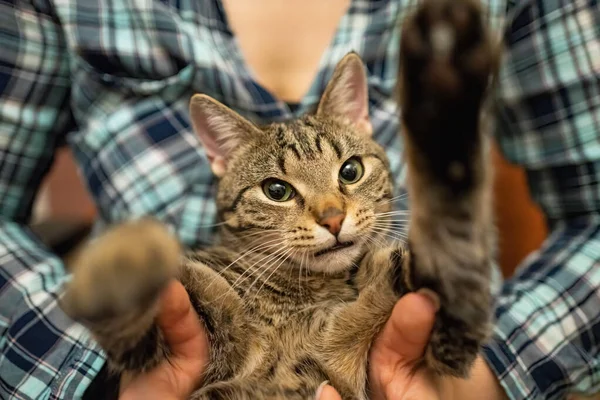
(312, 187)
(308, 190)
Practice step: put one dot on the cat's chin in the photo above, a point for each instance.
(336, 261)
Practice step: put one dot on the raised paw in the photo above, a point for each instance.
(446, 51)
(447, 61)
(463, 320)
(446, 64)
(121, 271)
(455, 344)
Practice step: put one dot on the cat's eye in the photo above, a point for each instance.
(351, 172)
(278, 190)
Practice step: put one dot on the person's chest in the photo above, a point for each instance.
(282, 42)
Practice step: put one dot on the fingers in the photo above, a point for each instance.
(399, 347)
(406, 334)
(180, 324)
(185, 336)
(327, 392)
(183, 332)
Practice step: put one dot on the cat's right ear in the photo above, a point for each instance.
(346, 95)
(220, 130)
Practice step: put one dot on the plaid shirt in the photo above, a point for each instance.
(113, 78)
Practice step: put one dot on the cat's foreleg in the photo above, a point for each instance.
(237, 347)
(352, 328)
(115, 288)
(115, 292)
(446, 65)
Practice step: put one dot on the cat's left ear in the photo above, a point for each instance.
(220, 129)
(347, 94)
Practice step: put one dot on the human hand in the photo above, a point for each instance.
(395, 371)
(176, 378)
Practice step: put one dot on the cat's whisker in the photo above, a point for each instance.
(379, 240)
(395, 198)
(397, 212)
(261, 241)
(375, 241)
(391, 220)
(261, 247)
(248, 240)
(393, 235)
(388, 228)
(387, 217)
(391, 227)
(293, 251)
(255, 244)
(290, 274)
(283, 257)
(254, 267)
(400, 196)
(303, 259)
(262, 264)
(251, 269)
(391, 223)
(255, 248)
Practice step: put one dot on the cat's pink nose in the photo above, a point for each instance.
(332, 219)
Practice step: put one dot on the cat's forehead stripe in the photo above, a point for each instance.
(303, 140)
(309, 134)
(305, 137)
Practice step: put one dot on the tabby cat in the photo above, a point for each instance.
(305, 276)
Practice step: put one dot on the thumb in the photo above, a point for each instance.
(176, 377)
(406, 334)
(181, 326)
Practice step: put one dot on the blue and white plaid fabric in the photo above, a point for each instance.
(113, 78)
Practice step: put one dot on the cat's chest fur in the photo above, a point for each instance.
(285, 310)
(290, 316)
(292, 297)
(280, 294)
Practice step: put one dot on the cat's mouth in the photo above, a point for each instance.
(335, 247)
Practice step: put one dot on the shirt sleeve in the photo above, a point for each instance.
(43, 354)
(546, 342)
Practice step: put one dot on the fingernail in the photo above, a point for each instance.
(320, 389)
(432, 298)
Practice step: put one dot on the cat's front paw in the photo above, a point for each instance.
(385, 268)
(446, 47)
(447, 61)
(121, 271)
